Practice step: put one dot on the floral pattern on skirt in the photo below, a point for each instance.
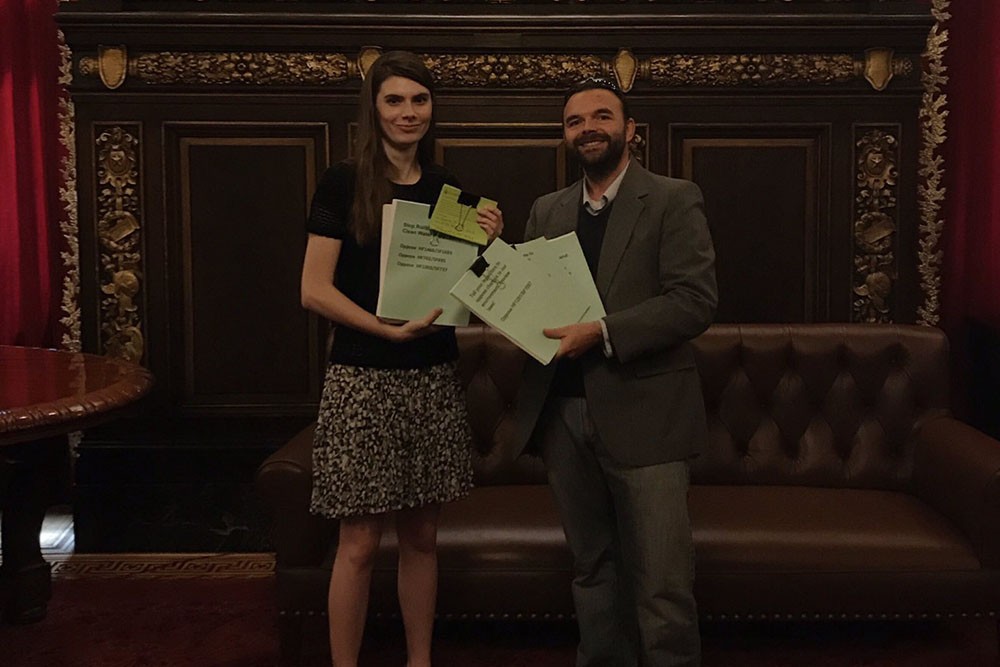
(388, 439)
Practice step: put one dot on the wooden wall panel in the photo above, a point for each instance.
(761, 202)
(241, 202)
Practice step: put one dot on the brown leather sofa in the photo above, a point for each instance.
(835, 485)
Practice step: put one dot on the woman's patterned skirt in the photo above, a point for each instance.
(389, 439)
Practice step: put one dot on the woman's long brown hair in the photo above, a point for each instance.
(372, 187)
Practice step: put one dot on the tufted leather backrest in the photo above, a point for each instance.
(490, 367)
(807, 404)
(823, 405)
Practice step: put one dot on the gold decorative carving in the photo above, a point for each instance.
(69, 224)
(514, 70)
(878, 67)
(639, 148)
(263, 69)
(930, 191)
(366, 59)
(87, 66)
(875, 224)
(118, 230)
(753, 70)
(112, 64)
(625, 67)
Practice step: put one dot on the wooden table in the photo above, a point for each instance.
(45, 394)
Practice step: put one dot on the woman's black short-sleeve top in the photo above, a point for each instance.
(357, 274)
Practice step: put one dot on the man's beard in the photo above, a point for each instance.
(597, 166)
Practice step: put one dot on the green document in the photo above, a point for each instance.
(455, 214)
(568, 257)
(418, 267)
(566, 265)
(518, 297)
(529, 249)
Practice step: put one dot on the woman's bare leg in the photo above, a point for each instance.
(417, 531)
(347, 603)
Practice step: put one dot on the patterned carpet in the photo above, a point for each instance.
(217, 610)
(151, 611)
(162, 566)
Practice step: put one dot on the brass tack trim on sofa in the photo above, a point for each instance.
(909, 616)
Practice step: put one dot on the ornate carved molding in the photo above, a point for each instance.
(213, 69)
(779, 3)
(930, 191)
(119, 233)
(881, 66)
(69, 224)
(625, 67)
(502, 70)
(112, 64)
(514, 70)
(366, 58)
(750, 70)
(875, 222)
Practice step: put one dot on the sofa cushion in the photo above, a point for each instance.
(497, 528)
(736, 529)
(789, 528)
(501, 553)
(808, 551)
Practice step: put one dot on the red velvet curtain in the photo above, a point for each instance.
(30, 240)
(971, 271)
(970, 298)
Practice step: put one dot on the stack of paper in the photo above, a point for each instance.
(418, 267)
(564, 261)
(540, 285)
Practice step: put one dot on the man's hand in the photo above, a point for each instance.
(575, 339)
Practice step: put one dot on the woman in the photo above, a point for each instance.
(392, 433)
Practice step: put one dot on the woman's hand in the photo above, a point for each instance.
(490, 218)
(401, 333)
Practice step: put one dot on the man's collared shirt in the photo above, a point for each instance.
(593, 208)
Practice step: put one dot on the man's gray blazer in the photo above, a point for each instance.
(656, 276)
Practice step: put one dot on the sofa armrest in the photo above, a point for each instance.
(284, 483)
(957, 471)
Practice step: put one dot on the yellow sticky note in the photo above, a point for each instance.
(455, 215)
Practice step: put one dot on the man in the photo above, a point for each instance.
(620, 411)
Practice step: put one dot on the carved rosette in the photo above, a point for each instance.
(750, 70)
(514, 70)
(262, 69)
(119, 233)
(875, 223)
